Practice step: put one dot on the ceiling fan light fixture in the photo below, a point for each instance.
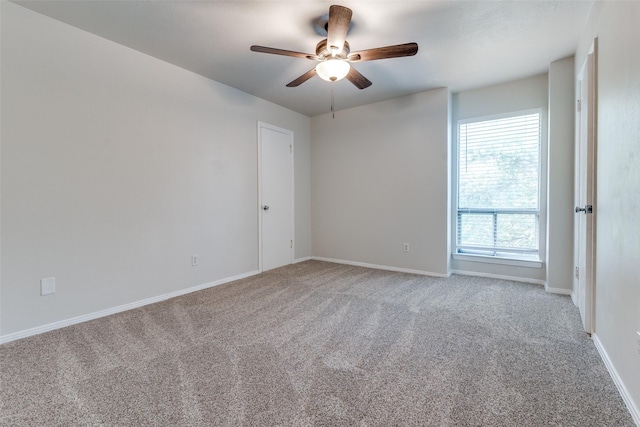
(334, 55)
(333, 69)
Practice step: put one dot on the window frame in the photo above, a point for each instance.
(460, 252)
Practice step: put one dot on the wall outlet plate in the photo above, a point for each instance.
(48, 286)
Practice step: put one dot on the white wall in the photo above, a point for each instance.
(379, 178)
(618, 189)
(116, 168)
(560, 193)
(508, 97)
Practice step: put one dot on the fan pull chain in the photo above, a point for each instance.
(333, 112)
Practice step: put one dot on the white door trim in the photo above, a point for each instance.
(263, 125)
(589, 275)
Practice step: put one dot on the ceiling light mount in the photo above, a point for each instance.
(321, 25)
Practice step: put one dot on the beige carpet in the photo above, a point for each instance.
(320, 344)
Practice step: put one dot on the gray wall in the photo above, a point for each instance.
(379, 178)
(560, 193)
(618, 189)
(117, 167)
(503, 98)
(379, 170)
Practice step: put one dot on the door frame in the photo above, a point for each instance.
(590, 87)
(260, 126)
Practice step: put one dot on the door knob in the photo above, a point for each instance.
(265, 208)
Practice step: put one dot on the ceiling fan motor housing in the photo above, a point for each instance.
(323, 52)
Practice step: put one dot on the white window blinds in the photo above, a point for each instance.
(498, 186)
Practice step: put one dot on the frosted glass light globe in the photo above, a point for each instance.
(333, 69)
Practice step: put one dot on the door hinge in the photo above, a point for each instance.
(578, 105)
(291, 244)
(290, 148)
(577, 273)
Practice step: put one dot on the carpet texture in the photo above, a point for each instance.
(320, 344)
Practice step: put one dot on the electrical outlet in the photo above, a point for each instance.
(405, 247)
(48, 286)
(194, 260)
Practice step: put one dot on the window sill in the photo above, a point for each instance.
(496, 260)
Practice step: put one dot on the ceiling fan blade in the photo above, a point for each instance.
(283, 52)
(358, 80)
(303, 78)
(337, 27)
(395, 51)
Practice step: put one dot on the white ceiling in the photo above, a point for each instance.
(462, 44)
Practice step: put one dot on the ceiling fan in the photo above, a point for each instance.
(334, 56)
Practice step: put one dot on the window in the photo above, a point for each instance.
(498, 213)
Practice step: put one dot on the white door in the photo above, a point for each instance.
(275, 152)
(584, 231)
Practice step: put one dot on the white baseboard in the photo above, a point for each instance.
(559, 291)
(628, 400)
(113, 310)
(499, 276)
(303, 259)
(380, 267)
(574, 298)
